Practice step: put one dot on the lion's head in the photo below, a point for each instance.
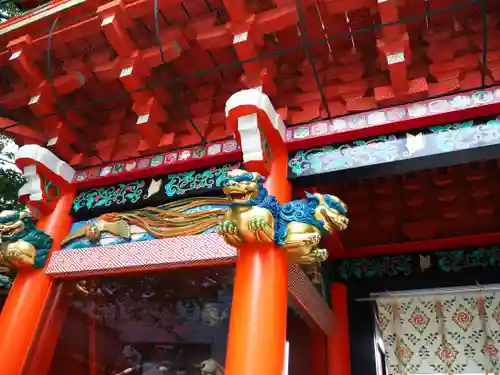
(12, 223)
(331, 210)
(243, 187)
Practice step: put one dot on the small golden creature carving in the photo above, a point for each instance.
(22, 245)
(297, 226)
(250, 218)
(93, 231)
(210, 367)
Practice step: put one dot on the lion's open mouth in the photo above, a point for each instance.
(237, 194)
(329, 220)
(6, 232)
(333, 222)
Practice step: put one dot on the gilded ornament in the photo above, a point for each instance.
(210, 367)
(92, 232)
(22, 245)
(298, 226)
(183, 217)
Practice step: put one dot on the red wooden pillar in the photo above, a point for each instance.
(257, 330)
(33, 313)
(339, 354)
(20, 317)
(318, 353)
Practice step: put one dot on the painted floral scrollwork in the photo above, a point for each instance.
(181, 183)
(106, 196)
(459, 260)
(331, 158)
(400, 265)
(463, 135)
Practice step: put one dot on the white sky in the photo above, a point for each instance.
(11, 147)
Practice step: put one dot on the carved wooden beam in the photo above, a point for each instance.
(47, 177)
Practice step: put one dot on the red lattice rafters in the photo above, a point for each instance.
(198, 36)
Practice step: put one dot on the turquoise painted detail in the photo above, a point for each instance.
(124, 193)
(110, 239)
(464, 135)
(462, 259)
(181, 183)
(389, 148)
(382, 149)
(5, 282)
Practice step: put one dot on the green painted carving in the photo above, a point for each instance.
(5, 282)
(458, 260)
(124, 193)
(50, 190)
(347, 155)
(22, 245)
(400, 265)
(391, 147)
(181, 183)
(448, 261)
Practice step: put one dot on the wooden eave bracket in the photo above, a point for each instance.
(42, 169)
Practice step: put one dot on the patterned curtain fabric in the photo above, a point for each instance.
(441, 334)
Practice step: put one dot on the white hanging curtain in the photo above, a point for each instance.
(441, 334)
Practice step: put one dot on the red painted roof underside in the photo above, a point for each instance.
(436, 209)
(83, 97)
(85, 100)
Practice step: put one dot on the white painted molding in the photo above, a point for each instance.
(251, 139)
(255, 98)
(30, 159)
(33, 186)
(40, 155)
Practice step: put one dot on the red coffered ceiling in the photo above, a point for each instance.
(92, 82)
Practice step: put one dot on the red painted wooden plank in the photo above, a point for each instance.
(421, 246)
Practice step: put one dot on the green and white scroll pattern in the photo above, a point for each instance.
(441, 334)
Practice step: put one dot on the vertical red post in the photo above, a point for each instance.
(92, 341)
(23, 309)
(318, 353)
(257, 331)
(339, 353)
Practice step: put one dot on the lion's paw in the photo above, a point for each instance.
(320, 254)
(226, 227)
(313, 239)
(256, 224)
(261, 229)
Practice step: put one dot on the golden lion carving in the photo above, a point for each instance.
(297, 226)
(22, 245)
